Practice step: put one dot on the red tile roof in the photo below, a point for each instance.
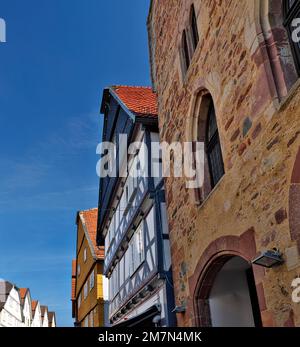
(73, 289)
(74, 268)
(89, 219)
(34, 305)
(23, 292)
(140, 100)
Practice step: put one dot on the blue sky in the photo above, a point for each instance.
(59, 56)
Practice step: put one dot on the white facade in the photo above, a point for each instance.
(17, 309)
(27, 310)
(139, 219)
(52, 320)
(45, 319)
(11, 313)
(37, 317)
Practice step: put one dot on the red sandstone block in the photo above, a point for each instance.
(261, 297)
(294, 208)
(280, 216)
(290, 321)
(267, 319)
(259, 273)
(296, 169)
(242, 148)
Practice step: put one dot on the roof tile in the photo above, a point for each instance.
(34, 305)
(89, 219)
(23, 292)
(140, 100)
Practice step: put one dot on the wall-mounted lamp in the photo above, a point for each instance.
(269, 258)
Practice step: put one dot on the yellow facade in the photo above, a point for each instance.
(89, 298)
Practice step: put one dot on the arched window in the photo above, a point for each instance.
(291, 12)
(194, 27)
(185, 50)
(213, 147)
(208, 159)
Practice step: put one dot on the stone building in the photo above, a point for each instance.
(227, 75)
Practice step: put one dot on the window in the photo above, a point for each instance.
(291, 13)
(185, 51)
(78, 270)
(139, 241)
(117, 218)
(86, 321)
(79, 300)
(85, 290)
(114, 282)
(189, 40)
(84, 255)
(112, 229)
(194, 27)
(136, 250)
(122, 272)
(92, 280)
(213, 147)
(92, 319)
(116, 279)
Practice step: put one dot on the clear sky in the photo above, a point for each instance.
(59, 56)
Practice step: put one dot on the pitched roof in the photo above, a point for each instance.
(89, 220)
(23, 292)
(51, 316)
(34, 304)
(73, 267)
(5, 287)
(73, 297)
(44, 309)
(142, 101)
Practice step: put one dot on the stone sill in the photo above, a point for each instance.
(283, 103)
(204, 202)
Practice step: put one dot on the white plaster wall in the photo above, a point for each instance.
(229, 300)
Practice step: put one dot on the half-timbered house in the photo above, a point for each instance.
(132, 222)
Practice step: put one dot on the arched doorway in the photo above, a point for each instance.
(216, 255)
(232, 298)
(226, 294)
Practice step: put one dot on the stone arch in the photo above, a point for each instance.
(196, 126)
(212, 260)
(294, 201)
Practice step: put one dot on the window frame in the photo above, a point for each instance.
(137, 249)
(85, 290)
(92, 280)
(79, 300)
(211, 142)
(194, 27)
(185, 51)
